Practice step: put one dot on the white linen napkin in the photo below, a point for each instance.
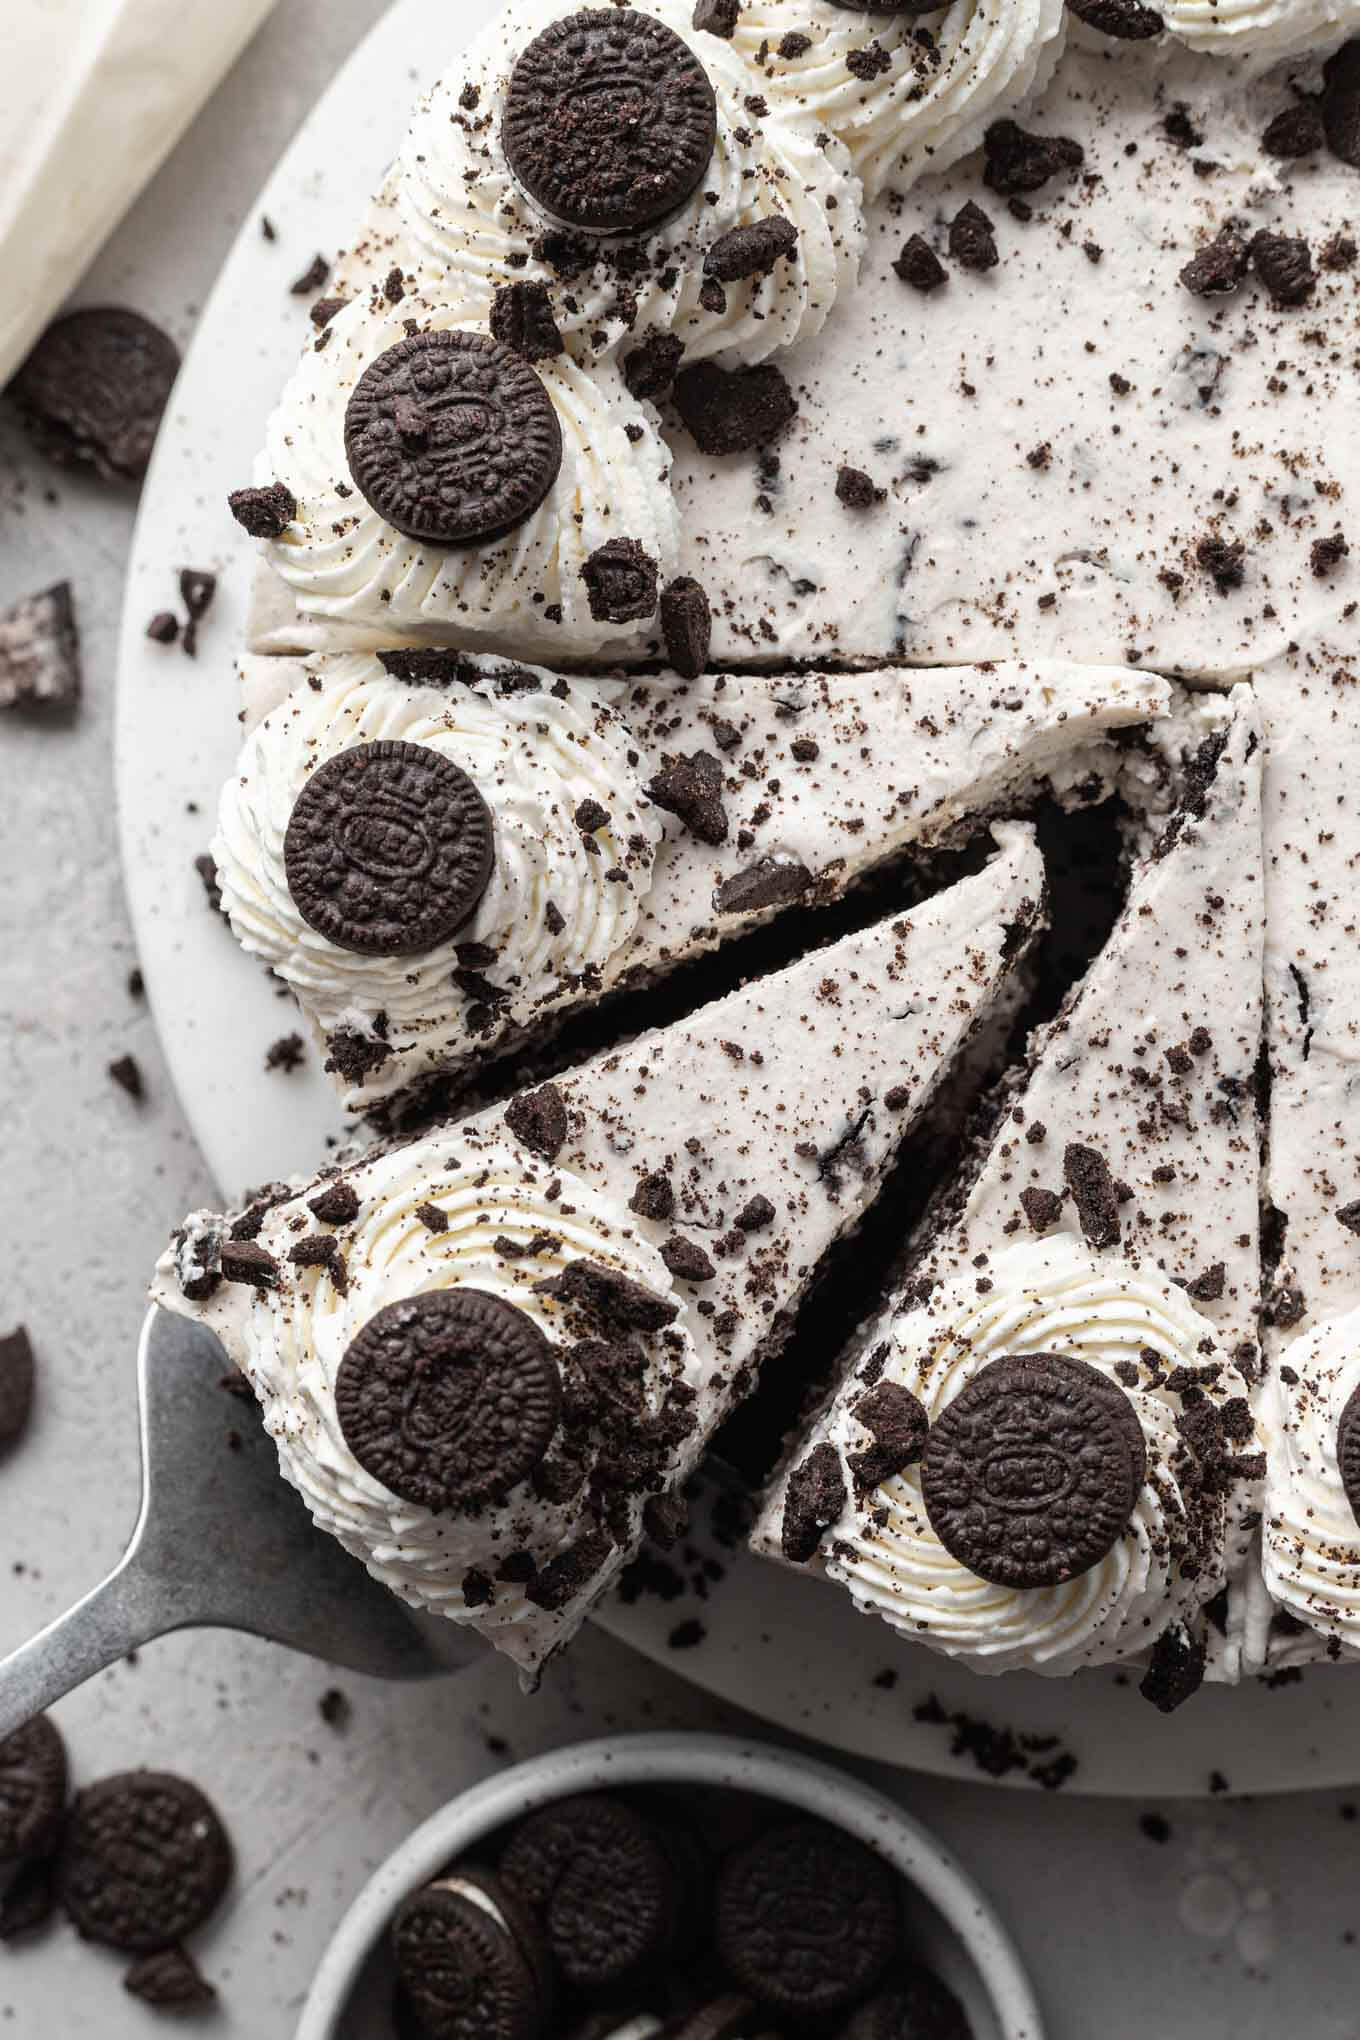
(94, 95)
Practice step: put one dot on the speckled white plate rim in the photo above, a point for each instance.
(763, 1769)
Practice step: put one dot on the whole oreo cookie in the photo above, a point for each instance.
(610, 121)
(388, 849)
(1348, 1451)
(33, 1779)
(449, 1398)
(808, 1919)
(462, 1969)
(145, 1860)
(92, 392)
(596, 1877)
(1031, 1474)
(452, 438)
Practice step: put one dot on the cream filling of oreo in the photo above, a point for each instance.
(535, 757)
(1045, 1297)
(1310, 1536)
(289, 1342)
(465, 214)
(905, 93)
(345, 563)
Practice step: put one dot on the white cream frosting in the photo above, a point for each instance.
(1310, 1537)
(534, 756)
(1045, 1297)
(1264, 30)
(289, 1342)
(948, 75)
(465, 214)
(344, 563)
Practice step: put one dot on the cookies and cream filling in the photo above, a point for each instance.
(602, 868)
(1114, 1220)
(616, 1272)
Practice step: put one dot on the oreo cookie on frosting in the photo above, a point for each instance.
(389, 848)
(1032, 1472)
(610, 121)
(452, 438)
(449, 1399)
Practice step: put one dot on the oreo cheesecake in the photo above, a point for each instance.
(443, 853)
(489, 1355)
(1044, 1454)
(750, 441)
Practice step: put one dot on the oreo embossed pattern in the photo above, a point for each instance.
(703, 1915)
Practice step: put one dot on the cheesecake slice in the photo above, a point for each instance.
(1311, 1535)
(488, 1354)
(1043, 1455)
(632, 824)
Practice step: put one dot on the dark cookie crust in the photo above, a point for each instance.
(450, 1398)
(1032, 1472)
(610, 121)
(388, 849)
(452, 438)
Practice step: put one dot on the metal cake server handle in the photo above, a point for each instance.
(222, 1542)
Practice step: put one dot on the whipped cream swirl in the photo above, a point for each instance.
(1046, 1297)
(344, 563)
(535, 755)
(1310, 1538)
(1264, 30)
(464, 212)
(905, 93)
(290, 1341)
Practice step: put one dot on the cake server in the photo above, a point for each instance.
(221, 1542)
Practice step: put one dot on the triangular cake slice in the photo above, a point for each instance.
(1311, 1534)
(520, 844)
(1042, 1456)
(486, 1354)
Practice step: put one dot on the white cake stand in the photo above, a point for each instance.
(790, 1650)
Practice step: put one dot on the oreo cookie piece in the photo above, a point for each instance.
(610, 121)
(596, 1878)
(621, 582)
(40, 651)
(170, 1981)
(465, 1972)
(33, 1781)
(1125, 20)
(913, 2005)
(17, 1372)
(1032, 1472)
(450, 1398)
(686, 625)
(452, 438)
(145, 1860)
(92, 391)
(807, 1920)
(388, 849)
(1348, 1451)
(263, 513)
(734, 410)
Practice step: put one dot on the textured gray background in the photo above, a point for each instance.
(1244, 1923)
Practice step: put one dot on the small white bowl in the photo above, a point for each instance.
(950, 1924)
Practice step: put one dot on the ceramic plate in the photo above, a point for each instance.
(788, 1649)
